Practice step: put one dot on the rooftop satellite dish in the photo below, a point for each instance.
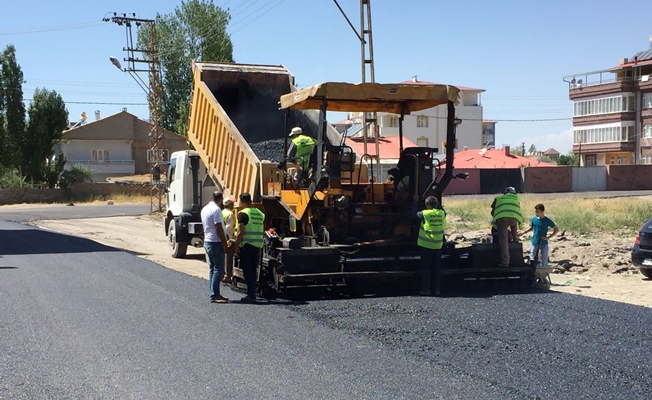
(482, 151)
(572, 82)
(579, 83)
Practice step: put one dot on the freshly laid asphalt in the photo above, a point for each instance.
(82, 320)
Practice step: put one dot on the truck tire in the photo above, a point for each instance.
(177, 250)
(646, 272)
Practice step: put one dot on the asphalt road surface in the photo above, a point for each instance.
(82, 320)
(59, 211)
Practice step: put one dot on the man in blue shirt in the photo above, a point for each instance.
(539, 227)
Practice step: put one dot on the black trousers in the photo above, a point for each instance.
(249, 256)
(430, 270)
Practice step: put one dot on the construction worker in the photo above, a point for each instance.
(249, 241)
(431, 240)
(229, 232)
(301, 149)
(506, 212)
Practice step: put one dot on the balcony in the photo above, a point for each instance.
(597, 83)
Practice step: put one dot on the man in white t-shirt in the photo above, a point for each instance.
(215, 245)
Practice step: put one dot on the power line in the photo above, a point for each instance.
(100, 103)
(252, 21)
(80, 25)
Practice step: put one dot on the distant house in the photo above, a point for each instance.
(494, 158)
(114, 146)
(551, 154)
(389, 150)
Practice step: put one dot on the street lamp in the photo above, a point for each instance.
(115, 62)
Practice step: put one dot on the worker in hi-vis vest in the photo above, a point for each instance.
(301, 149)
(431, 240)
(506, 212)
(248, 242)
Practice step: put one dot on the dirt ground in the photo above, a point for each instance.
(596, 266)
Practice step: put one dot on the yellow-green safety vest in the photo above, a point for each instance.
(253, 231)
(508, 206)
(304, 145)
(431, 233)
(226, 213)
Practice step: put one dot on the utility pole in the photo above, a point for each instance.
(157, 155)
(367, 55)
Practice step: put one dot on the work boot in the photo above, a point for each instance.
(220, 299)
(249, 299)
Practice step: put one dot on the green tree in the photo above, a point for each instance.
(517, 150)
(12, 106)
(569, 159)
(53, 169)
(48, 118)
(196, 30)
(532, 149)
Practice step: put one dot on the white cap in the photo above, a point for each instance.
(296, 131)
(228, 201)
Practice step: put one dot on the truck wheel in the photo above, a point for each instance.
(646, 272)
(177, 250)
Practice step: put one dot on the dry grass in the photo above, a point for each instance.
(117, 199)
(621, 216)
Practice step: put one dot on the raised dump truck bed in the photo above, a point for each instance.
(234, 106)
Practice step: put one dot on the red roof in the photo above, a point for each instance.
(344, 121)
(389, 146)
(494, 158)
(462, 88)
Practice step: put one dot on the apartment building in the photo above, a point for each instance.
(612, 112)
(427, 128)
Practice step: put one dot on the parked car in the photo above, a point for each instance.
(642, 250)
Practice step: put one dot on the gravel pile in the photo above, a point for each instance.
(271, 150)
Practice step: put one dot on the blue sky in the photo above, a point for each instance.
(517, 51)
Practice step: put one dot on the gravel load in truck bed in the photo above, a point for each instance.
(271, 150)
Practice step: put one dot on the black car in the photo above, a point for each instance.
(642, 251)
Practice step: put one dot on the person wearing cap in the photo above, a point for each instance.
(301, 149)
(229, 227)
(430, 241)
(249, 241)
(506, 212)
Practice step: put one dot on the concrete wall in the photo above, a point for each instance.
(548, 179)
(82, 190)
(468, 186)
(629, 177)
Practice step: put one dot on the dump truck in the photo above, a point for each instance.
(343, 229)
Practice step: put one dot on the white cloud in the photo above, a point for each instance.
(562, 141)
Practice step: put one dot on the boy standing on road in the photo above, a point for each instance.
(539, 226)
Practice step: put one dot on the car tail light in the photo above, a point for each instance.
(638, 235)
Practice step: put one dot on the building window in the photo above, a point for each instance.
(647, 100)
(605, 105)
(612, 160)
(99, 156)
(591, 161)
(647, 131)
(622, 160)
(615, 132)
(422, 141)
(422, 121)
(646, 159)
(393, 121)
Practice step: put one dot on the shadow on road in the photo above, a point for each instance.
(37, 241)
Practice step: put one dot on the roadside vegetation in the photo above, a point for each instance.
(619, 216)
